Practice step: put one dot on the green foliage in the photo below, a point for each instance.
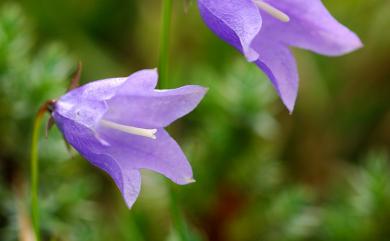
(364, 213)
(28, 77)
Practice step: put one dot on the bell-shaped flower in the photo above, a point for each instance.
(263, 30)
(118, 125)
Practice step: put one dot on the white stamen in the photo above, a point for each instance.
(274, 12)
(150, 133)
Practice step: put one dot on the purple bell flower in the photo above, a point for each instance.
(118, 125)
(263, 30)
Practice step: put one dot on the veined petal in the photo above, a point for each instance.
(107, 123)
(94, 91)
(277, 61)
(105, 89)
(311, 27)
(162, 155)
(153, 109)
(83, 111)
(87, 143)
(141, 80)
(131, 186)
(127, 179)
(125, 154)
(87, 104)
(235, 21)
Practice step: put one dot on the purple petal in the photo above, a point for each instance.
(311, 27)
(124, 152)
(128, 180)
(86, 142)
(277, 61)
(162, 155)
(141, 80)
(83, 111)
(154, 109)
(95, 91)
(107, 88)
(235, 21)
(82, 114)
(131, 186)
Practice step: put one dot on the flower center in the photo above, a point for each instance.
(150, 133)
(274, 12)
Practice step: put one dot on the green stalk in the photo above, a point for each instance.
(178, 220)
(35, 171)
(164, 42)
(177, 216)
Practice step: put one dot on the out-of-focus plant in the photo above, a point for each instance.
(252, 195)
(361, 210)
(28, 76)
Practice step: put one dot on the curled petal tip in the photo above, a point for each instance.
(352, 45)
(190, 180)
(251, 55)
(288, 103)
(154, 70)
(358, 44)
(290, 109)
(205, 89)
(290, 106)
(199, 91)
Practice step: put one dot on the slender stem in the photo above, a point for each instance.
(177, 216)
(35, 170)
(164, 42)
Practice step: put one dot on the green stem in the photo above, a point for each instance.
(177, 216)
(178, 220)
(35, 171)
(164, 42)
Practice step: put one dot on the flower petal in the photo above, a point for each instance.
(153, 109)
(141, 80)
(94, 91)
(235, 21)
(162, 155)
(107, 88)
(87, 143)
(311, 27)
(128, 180)
(83, 111)
(277, 61)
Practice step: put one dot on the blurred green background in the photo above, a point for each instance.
(322, 173)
